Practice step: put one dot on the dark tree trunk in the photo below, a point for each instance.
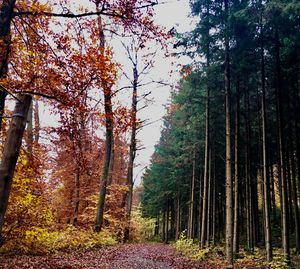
(164, 225)
(177, 231)
(132, 149)
(205, 205)
(11, 151)
(248, 182)
(281, 147)
(108, 140)
(167, 223)
(6, 16)
(192, 200)
(209, 201)
(236, 172)
(74, 220)
(265, 174)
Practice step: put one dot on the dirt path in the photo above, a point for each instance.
(129, 256)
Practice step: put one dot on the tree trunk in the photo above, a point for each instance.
(164, 225)
(6, 16)
(281, 166)
(37, 126)
(295, 171)
(167, 223)
(192, 200)
(249, 208)
(11, 151)
(132, 149)
(209, 201)
(265, 174)
(76, 201)
(214, 196)
(177, 232)
(236, 172)
(29, 138)
(108, 139)
(205, 215)
(229, 211)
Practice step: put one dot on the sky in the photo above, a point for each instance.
(171, 14)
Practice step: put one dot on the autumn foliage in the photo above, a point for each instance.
(58, 55)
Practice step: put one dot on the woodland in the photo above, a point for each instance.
(223, 184)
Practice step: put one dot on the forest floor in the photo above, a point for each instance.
(122, 256)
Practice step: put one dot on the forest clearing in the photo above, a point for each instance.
(149, 134)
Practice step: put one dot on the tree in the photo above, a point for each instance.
(11, 152)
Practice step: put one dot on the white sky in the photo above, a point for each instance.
(172, 14)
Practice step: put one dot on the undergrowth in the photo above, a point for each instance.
(43, 241)
(245, 258)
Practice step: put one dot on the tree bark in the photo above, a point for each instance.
(265, 174)
(177, 232)
(205, 215)
(74, 220)
(108, 139)
(281, 147)
(249, 203)
(236, 172)
(192, 200)
(11, 152)
(132, 148)
(6, 16)
(229, 210)
(37, 126)
(29, 138)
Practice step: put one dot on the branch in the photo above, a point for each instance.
(79, 15)
(65, 15)
(42, 95)
(2, 88)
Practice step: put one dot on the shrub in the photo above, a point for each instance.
(189, 249)
(142, 229)
(40, 241)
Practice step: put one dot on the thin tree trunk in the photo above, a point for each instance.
(205, 215)
(282, 167)
(37, 126)
(265, 175)
(156, 230)
(6, 16)
(164, 225)
(167, 223)
(295, 172)
(214, 213)
(293, 176)
(108, 139)
(209, 201)
(191, 208)
(177, 232)
(111, 164)
(200, 205)
(229, 209)
(29, 138)
(74, 220)
(248, 177)
(132, 148)
(236, 172)
(205, 176)
(11, 152)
